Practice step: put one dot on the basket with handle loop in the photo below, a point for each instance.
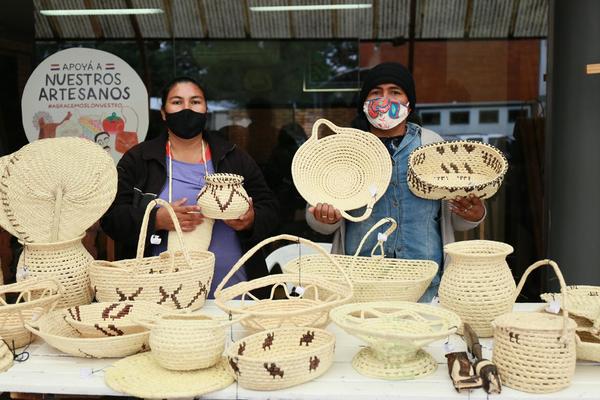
(177, 280)
(535, 352)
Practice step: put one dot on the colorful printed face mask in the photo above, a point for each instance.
(384, 113)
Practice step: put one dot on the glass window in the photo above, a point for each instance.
(488, 116)
(459, 117)
(431, 118)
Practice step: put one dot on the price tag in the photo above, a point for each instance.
(22, 273)
(155, 239)
(299, 290)
(381, 237)
(85, 373)
(435, 301)
(448, 347)
(554, 306)
(373, 190)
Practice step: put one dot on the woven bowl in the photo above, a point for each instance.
(280, 358)
(350, 170)
(582, 301)
(223, 197)
(446, 170)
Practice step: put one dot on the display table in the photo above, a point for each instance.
(49, 371)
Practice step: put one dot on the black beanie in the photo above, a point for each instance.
(389, 72)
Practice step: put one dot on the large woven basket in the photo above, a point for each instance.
(535, 352)
(310, 309)
(34, 298)
(53, 328)
(280, 357)
(376, 277)
(446, 170)
(174, 279)
(223, 197)
(350, 170)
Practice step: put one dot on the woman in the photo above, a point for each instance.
(190, 152)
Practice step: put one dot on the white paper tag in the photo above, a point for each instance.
(85, 373)
(435, 300)
(373, 190)
(299, 290)
(22, 273)
(381, 237)
(554, 306)
(448, 347)
(155, 239)
(35, 316)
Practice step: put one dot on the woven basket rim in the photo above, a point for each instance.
(111, 266)
(458, 248)
(27, 285)
(90, 322)
(224, 178)
(507, 321)
(42, 245)
(437, 185)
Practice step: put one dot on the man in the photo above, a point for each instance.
(386, 99)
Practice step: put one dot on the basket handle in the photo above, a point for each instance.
(291, 238)
(336, 129)
(563, 288)
(363, 217)
(379, 244)
(144, 229)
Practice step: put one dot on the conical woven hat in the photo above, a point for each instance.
(54, 189)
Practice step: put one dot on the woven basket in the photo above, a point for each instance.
(281, 357)
(446, 170)
(141, 376)
(311, 309)
(535, 352)
(374, 278)
(111, 319)
(477, 283)
(174, 279)
(4, 221)
(198, 239)
(6, 356)
(583, 301)
(54, 189)
(588, 346)
(350, 170)
(223, 197)
(53, 328)
(67, 262)
(35, 297)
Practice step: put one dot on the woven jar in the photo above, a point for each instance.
(477, 283)
(67, 262)
(535, 351)
(223, 197)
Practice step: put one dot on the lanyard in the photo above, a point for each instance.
(171, 168)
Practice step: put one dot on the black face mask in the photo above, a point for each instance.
(186, 123)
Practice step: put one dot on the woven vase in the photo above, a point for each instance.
(198, 239)
(223, 197)
(67, 262)
(477, 283)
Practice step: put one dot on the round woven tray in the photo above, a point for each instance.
(141, 376)
(350, 170)
(281, 357)
(446, 170)
(54, 189)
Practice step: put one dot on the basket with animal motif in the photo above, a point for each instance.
(35, 297)
(223, 197)
(174, 279)
(55, 331)
(112, 319)
(535, 352)
(375, 278)
(350, 170)
(310, 308)
(282, 357)
(446, 170)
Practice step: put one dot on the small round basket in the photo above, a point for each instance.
(446, 170)
(223, 197)
(281, 357)
(350, 170)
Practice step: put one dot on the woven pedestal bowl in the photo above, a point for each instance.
(446, 170)
(395, 332)
(223, 197)
(350, 170)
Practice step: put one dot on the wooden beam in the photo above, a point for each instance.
(203, 20)
(291, 25)
(468, 19)
(593, 69)
(246, 11)
(96, 25)
(334, 21)
(411, 35)
(375, 32)
(513, 18)
(53, 21)
(169, 17)
(140, 43)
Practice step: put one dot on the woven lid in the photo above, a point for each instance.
(54, 189)
(533, 321)
(141, 376)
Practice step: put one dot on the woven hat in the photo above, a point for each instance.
(141, 376)
(348, 170)
(6, 356)
(54, 189)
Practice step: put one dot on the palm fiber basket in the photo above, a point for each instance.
(308, 309)
(112, 319)
(350, 170)
(55, 331)
(374, 278)
(35, 297)
(6, 356)
(281, 357)
(177, 280)
(535, 352)
(583, 301)
(446, 170)
(223, 197)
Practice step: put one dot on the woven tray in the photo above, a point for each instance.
(582, 301)
(141, 376)
(446, 170)
(112, 319)
(35, 298)
(350, 170)
(53, 328)
(281, 357)
(374, 278)
(310, 309)
(395, 332)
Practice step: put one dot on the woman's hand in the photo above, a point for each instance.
(470, 207)
(189, 217)
(325, 213)
(244, 222)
